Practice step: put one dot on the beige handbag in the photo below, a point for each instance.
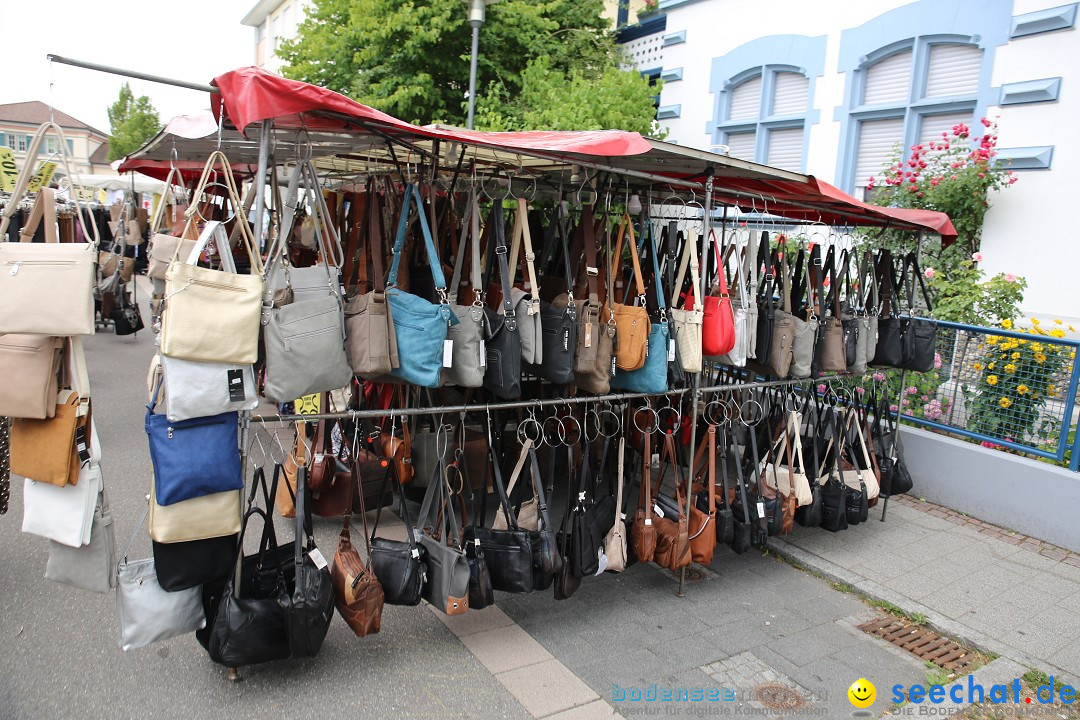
(688, 322)
(214, 315)
(200, 518)
(632, 323)
(615, 541)
(787, 478)
(163, 247)
(528, 517)
(35, 361)
(526, 302)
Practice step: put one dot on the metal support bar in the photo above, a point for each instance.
(260, 179)
(133, 74)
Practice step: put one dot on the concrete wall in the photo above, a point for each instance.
(1028, 496)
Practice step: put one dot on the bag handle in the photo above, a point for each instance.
(497, 249)
(711, 434)
(470, 236)
(911, 262)
(658, 285)
(215, 231)
(645, 496)
(522, 234)
(44, 206)
(689, 258)
(738, 474)
(412, 191)
(170, 190)
(617, 257)
(229, 181)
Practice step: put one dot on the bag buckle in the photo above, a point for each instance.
(591, 271)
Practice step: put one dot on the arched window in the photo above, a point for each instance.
(764, 113)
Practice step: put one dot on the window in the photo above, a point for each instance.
(765, 116)
(52, 146)
(22, 142)
(909, 94)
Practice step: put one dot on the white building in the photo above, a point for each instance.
(829, 87)
(274, 21)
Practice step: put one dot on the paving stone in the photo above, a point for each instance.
(475, 621)
(505, 648)
(804, 647)
(546, 688)
(596, 710)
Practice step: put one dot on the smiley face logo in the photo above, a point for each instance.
(862, 693)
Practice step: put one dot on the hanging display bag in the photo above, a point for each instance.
(781, 349)
(888, 351)
(615, 540)
(652, 375)
(357, 592)
(643, 533)
(805, 327)
(830, 355)
(504, 341)
(401, 567)
(702, 534)
(92, 566)
(718, 329)
(199, 389)
(762, 272)
(633, 326)
(743, 308)
(63, 514)
(869, 326)
(469, 359)
(164, 247)
(526, 301)
(420, 327)
(35, 361)
(447, 583)
(558, 319)
(688, 323)
(46, 288)
(672, 533)
(191, 563)
(209, 516)
(918, 335)
(312, 605)
(596, 328)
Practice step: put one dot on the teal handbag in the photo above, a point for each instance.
(652, 377)
(419, 326)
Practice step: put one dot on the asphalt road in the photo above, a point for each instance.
(60, 657)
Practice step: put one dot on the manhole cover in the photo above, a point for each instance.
(778, 697)
(919, 641)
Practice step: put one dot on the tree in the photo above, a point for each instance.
(132, 121)
(411, 59)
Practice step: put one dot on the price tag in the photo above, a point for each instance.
(588, 334)
(760, 509)
(308, 405)
(317, 558)
(448, 353)
(9, 171)
(236, 385)
(42, 177)
(671, 350)
(483, 353)
(657, 511)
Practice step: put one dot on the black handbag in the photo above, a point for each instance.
(400, 567)
(312, 607)
(605, 505)
(558, 319)
(481, 593)
(887, 352)
(503, 344)
(724, 518)
(127, 320)
(587, 540)
(810, 515)
(566, 581)
(895, 477)
(184, 565)
(834, 494)
(547, 560)
(918, 334)
(766, 315)
(744, 527)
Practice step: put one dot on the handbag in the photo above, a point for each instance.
(127, 320)
(804, 337)
(643, 532)
(762, 274)
(781, 349)
(888, 351)
(420, 327)
(829, 352)
(595, 361)
(834, 491)
(718, 326)
(195, 457)
(586, 538)
(790, 478)
(918, 335)
(633, 327)
(401, 567)
(723, 514)
(194, 294)
(312, 605)
(145, 613)
(652, 375)
(526, 302)
(469, 359)
(743, 309)
(92, 566)
(504, 340)
(209, 516)
(357, 592)
(869, 326)
(201, 389)
(702, 536)
(191, 563)
(889, 449)
(35, 361)
(615, 540)
(558, 319)
(164, 247)
(64, 514)
(51, 450)
(370, 343)
(672, 533)
(688, 322)
(46, 288)
(446, 586)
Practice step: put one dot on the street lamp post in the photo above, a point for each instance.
(477, 16)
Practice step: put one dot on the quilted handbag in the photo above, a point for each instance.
(419, 326)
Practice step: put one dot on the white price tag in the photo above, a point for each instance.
(317, 558)
(657, 511)
(760, 509)
(448, 353)
(671, 350)
(483, 353)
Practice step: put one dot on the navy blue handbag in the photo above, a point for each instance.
(652, 377)
(195, 457)
(419, 326)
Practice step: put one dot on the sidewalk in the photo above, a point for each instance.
(1001, 592)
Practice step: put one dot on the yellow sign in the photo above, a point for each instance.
(8, 170)
(85, 194)
(309, 404)
(42, 177)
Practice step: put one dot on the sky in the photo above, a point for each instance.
(195, 41)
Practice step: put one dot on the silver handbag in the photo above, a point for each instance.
(743, 311)
(802, 347)
(144, 612)
(92, 566)
(469, 357)
(198, 389)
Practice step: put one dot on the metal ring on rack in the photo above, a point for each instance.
(576, 436)
(595, 424)
(452, 468)
(442, 438)
(562, 432)
(655, 420)
(604, 415)
(537, 437)
(759, 415)
(708, 414)
(677, 418)
(195, 202)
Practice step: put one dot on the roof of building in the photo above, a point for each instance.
(35, 112)
(257, 15)
(101, 155)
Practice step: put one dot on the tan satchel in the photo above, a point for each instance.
(632, 323)
(164, 247)
(201, 518)
(34, 360)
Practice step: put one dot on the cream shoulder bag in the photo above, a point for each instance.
(688, 322)
(163, 247)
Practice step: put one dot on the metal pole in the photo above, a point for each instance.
(472, 73)
(133, 74)
(260, 179)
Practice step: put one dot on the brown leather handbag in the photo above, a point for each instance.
(769, 472)
(596, 323)
(46, 450)
(672, 535)
(702, 533)
(357, 592)
(632, 323)
(643, 531)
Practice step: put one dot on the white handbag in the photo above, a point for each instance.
(790, 477)
(46, 288)
(201, 389)
(743, 310)
(688, 322)
(213, 315)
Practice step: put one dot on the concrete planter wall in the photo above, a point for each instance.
(1025, 495)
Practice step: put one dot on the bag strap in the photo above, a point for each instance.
(617, 257)
(522, 234)
(497, 254)
(592, 269)
(689, 258)
(886, 280)
(912, 273)
(500, 489)
(657, 282)
(470, 236)
(711, 482)
(44, 207)
(413, 192)
(645, 495)
(229, 182)
(739, 476)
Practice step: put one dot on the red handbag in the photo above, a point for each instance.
(718, 325)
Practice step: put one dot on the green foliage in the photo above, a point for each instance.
(963, 296)
(553, 100)
(937, 677)
(132, 122)
(411, 59)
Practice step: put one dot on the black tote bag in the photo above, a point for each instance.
(312, 606)
(503, 345)
(918, 334)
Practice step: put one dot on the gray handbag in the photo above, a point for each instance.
(370, 341)
(469, 356)
(92, 566)
(802, 345)
(447, 586)
(305, 339)
(526, 303)
(144, 612)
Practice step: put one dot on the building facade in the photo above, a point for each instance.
(88, 147)
(830, 88)
(274, 22)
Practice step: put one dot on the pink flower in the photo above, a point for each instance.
(912, 390)
(880, 377)
(937, 361)
(985, 122)
(982, 175)
(929, 273)
(1010, 278)
(1012, 179)
(892, 408)
(821, 388)
(860, 390)
(934, 181)
(977, 257)
(951, 177)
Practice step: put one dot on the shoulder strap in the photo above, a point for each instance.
(615, 259)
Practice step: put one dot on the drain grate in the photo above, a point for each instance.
(777, 696)
(920, 642)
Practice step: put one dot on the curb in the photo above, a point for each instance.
(935, 620)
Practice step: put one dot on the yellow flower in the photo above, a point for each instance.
(990, 366)
(1005, 402)
(1034, 321)
(1007, 324)
(991, 379)
(1040, 358)
(978, 366)
(993, 340)
(1057, 321)
(1036, 347)
(1072, 329)
(1072, 355)
(1022, 341)
(1057, 333)
(1010, 368)
(1023, 389)
(1016, 356)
